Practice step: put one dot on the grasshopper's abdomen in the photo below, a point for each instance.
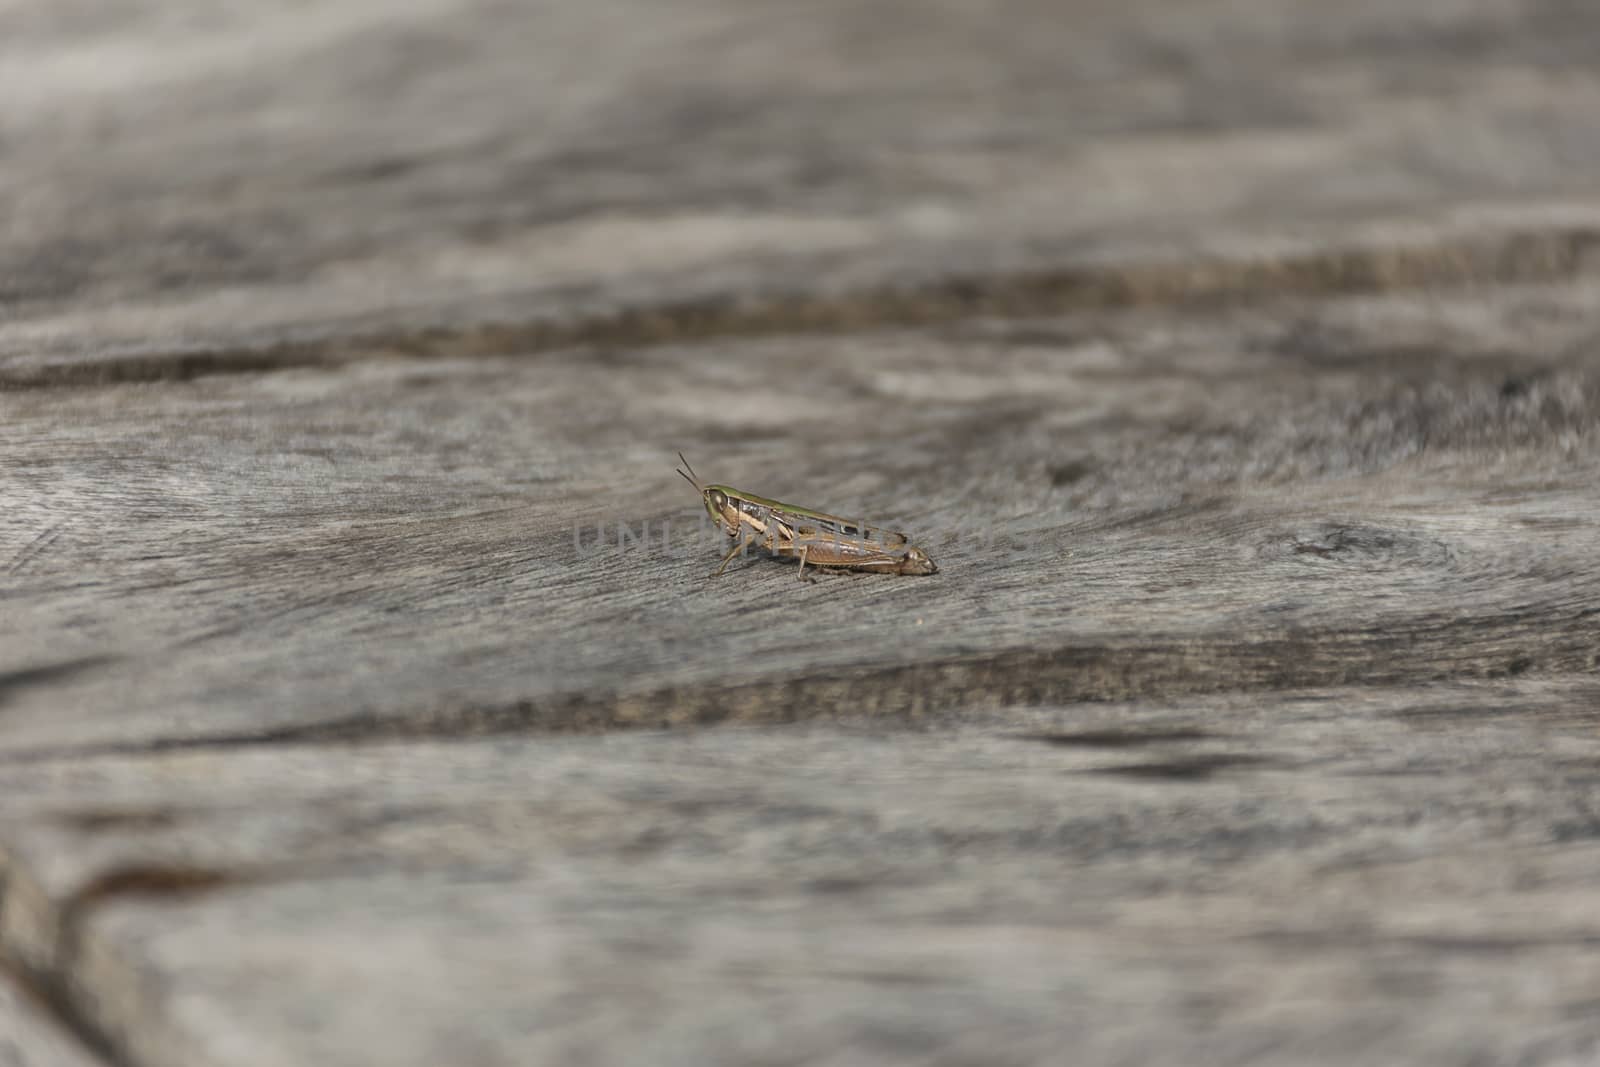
(825, 549)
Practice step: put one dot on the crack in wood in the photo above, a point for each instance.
(50, 995)
(22, 677)
(52, 984)
(1453, 649)
(1192, 768)
(114, 820)
(148, 880)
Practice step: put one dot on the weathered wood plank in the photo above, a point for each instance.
(1328, 877)
(188, 187)
(1295, 494)
(1182, 496)
(30, 1037)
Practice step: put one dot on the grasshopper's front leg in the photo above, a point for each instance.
(737, 548)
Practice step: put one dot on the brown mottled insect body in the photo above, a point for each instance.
(812, 537)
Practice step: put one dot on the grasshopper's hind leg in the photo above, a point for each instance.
(802, 573)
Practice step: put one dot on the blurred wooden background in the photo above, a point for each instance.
(1236, 359)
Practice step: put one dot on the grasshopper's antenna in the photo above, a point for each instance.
(691, 477)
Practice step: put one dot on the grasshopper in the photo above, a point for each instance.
(812, 537)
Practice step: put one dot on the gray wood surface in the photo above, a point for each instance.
(1379, 489)
(1349, 875)
(1236, 360)
(29, 1034)
(191, 186)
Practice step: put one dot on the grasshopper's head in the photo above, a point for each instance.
(716, 498)
(916, 561)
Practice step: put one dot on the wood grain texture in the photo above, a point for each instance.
(1321, 492)
(1236, 360)
(1336, 876)
(30, 1036)
(191, 187)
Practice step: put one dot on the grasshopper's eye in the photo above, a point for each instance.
(718, 499)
